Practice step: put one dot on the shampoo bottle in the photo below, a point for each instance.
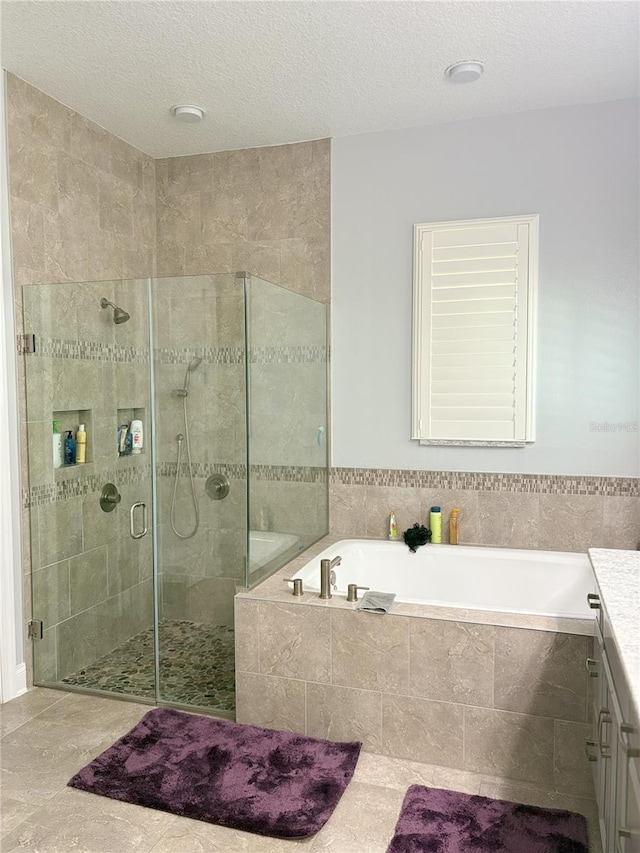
(58, 451)
(136, 436)
(393, 526)
(453, 527)
(69, 448)
(435, 524)
(81, 445)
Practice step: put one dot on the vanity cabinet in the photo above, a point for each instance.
(614, 749)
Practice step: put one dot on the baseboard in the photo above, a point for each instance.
(21, 679)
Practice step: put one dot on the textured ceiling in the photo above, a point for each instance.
(278, 72)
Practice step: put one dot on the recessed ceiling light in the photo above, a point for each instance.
(187, 113)
(464, 72)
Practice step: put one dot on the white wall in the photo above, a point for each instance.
(575, 166)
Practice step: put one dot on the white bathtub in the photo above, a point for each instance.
(265, 546)
(502, 580)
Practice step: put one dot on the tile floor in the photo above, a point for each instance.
(46, 736)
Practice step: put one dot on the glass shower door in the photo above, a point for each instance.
(92, 562)
(201, 523)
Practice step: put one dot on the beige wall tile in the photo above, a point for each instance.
(508, 519)
(51, 593)
(621, 523)
(88, 579)
(60, 526)
(276, 703)
(422, 730)
(380, 500)
(370, 651)
(78, 642)
(571, 522)
(541, 673)
(247, 635)
(345, 714)
(452, 661)
(515, 746)
(179, 175)
(347, 512)
(571, 769)
(295, 641)
(27, 243)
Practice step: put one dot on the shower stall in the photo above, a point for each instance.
(137, 552)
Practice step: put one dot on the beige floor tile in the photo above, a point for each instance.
(19, 711)
(195, 836)
(88, 711)
(76, 820)
(363, 822)
(13, 813)
(398, 774)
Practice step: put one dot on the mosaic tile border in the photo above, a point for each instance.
(210, 355)
(542, 484)
(97, 351)
(90, 351)
(82, 485)
(288, 355)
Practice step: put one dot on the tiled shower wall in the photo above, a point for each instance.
(82, 209)
(538, 511)
(262, 210)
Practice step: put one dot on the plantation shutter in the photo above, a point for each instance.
(473, 310)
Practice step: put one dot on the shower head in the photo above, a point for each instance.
(119, 315)
(193, 365)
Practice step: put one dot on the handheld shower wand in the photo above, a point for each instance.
(184, 393)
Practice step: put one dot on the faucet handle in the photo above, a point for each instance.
(352, 591)
(297, 585)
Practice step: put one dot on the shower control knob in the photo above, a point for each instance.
(217, 487)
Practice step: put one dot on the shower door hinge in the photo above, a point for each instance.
(35, 629)
(26, 344)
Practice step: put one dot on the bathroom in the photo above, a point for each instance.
(161, 228)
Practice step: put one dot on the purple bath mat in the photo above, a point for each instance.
(259, 780)
(437, 821)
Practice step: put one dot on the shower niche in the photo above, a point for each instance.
(228, 376)
(125, 417)
(70, 420)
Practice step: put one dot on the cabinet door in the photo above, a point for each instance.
(628, 793)
(604, 776)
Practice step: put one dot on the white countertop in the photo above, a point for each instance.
(618, 576)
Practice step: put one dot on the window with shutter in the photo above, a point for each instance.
(474, 303)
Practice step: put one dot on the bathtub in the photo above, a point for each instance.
(500, 580)
(265, 546)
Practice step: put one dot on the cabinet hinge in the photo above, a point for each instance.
(26, 344)
(35, 629)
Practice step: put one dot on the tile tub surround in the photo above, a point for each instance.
(486, 698)
(537, 511)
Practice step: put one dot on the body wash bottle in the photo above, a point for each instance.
(137, 438)
(393, 526)
(69, 448)
(453, 527)
(81, 445)
(58, 450)
(435, 524)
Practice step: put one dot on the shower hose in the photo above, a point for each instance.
(180, 439)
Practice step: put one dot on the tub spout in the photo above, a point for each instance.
(328, 576)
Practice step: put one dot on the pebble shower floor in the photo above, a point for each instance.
(196, 666)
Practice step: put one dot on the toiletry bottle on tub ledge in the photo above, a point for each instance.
(435, 525)
(393, 527)
(454, 523)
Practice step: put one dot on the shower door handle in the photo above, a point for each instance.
(132, 525)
